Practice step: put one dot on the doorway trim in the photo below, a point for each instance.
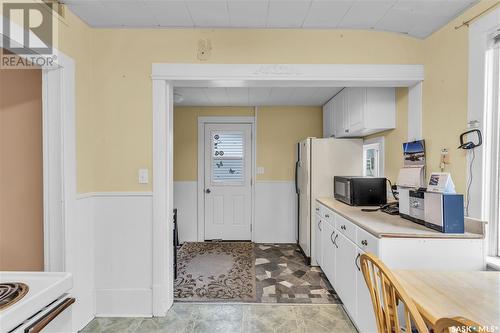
(167, 75)
(201, 167)
(59, 153)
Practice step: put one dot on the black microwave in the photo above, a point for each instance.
(360, 191)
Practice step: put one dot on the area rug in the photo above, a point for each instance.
(215, 271)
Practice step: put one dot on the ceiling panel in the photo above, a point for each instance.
(209, 13)
(326, 14)
(287, 14)
(248, 14)
(365, 14)
(290, 96)
(170, 13)
(417, 18)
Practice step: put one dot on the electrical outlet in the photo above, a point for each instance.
(143, 176)
(260, 170)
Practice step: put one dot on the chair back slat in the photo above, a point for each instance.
(386, 294)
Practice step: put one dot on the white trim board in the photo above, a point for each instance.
(478, 33)
(289, 75)
(165, 76)
(202, 121)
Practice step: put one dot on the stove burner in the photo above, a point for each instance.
(11, 292)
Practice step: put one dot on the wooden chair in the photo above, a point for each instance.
(445, 325)
(386, 293)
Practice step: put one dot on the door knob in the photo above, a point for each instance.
(207, 191)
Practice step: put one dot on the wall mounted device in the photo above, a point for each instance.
(470, 144)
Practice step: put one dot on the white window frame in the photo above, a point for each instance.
(480, 190)
(379, 144)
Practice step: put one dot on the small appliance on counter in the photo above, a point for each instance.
(416, 206)
(444, 212)
(360, 191)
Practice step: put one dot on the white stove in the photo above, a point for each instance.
(35, 302)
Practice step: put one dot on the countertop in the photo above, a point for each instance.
(382, 225)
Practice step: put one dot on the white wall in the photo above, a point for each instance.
(275, 211)
(80, 261)
(123, 247)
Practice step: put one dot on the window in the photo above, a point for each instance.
(373, 158)
(227, 156)
(492, 142)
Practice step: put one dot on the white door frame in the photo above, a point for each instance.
(167, 75)
(59, 156)
(201, 166)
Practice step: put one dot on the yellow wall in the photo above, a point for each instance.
(114, 84)
(75, 40)
(278, 131)
(121, 90)
(445, 95)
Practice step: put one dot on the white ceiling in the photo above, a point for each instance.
(291, 96)
(418, 18)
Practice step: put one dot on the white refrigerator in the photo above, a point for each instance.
(319, 160)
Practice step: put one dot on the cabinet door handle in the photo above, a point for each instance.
(327, 216)
(364, 242)
(333, 242)
(356, 261)
(319, 225)
(317, 209)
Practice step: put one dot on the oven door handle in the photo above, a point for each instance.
(39, 325)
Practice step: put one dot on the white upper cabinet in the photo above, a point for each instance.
(358, 112)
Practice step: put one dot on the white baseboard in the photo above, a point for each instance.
(124, 303)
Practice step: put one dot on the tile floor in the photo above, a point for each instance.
(282, 276)
(233, 318)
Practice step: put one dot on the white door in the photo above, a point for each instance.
(346, 255)
(356, 99)
(365, 317)
(317, 240)
(328, 251)
(228, 175)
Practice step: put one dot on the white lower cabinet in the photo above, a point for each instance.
(342, 242)
(365, 317)
(317, 241)
(345, 284)
(328, 250)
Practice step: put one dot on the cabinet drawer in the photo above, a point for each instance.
(328, 215)
(346, 227)
(366, 241)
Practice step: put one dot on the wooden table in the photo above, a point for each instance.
(473, 295)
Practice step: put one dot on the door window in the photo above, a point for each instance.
(228, 157)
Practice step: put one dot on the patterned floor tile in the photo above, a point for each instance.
(294, 281)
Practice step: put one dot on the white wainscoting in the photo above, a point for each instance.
(185, 200)
(123, 247)
(275, 211)
(80, 261)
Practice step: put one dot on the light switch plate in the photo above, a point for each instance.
(143, 176)
(260, 170)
